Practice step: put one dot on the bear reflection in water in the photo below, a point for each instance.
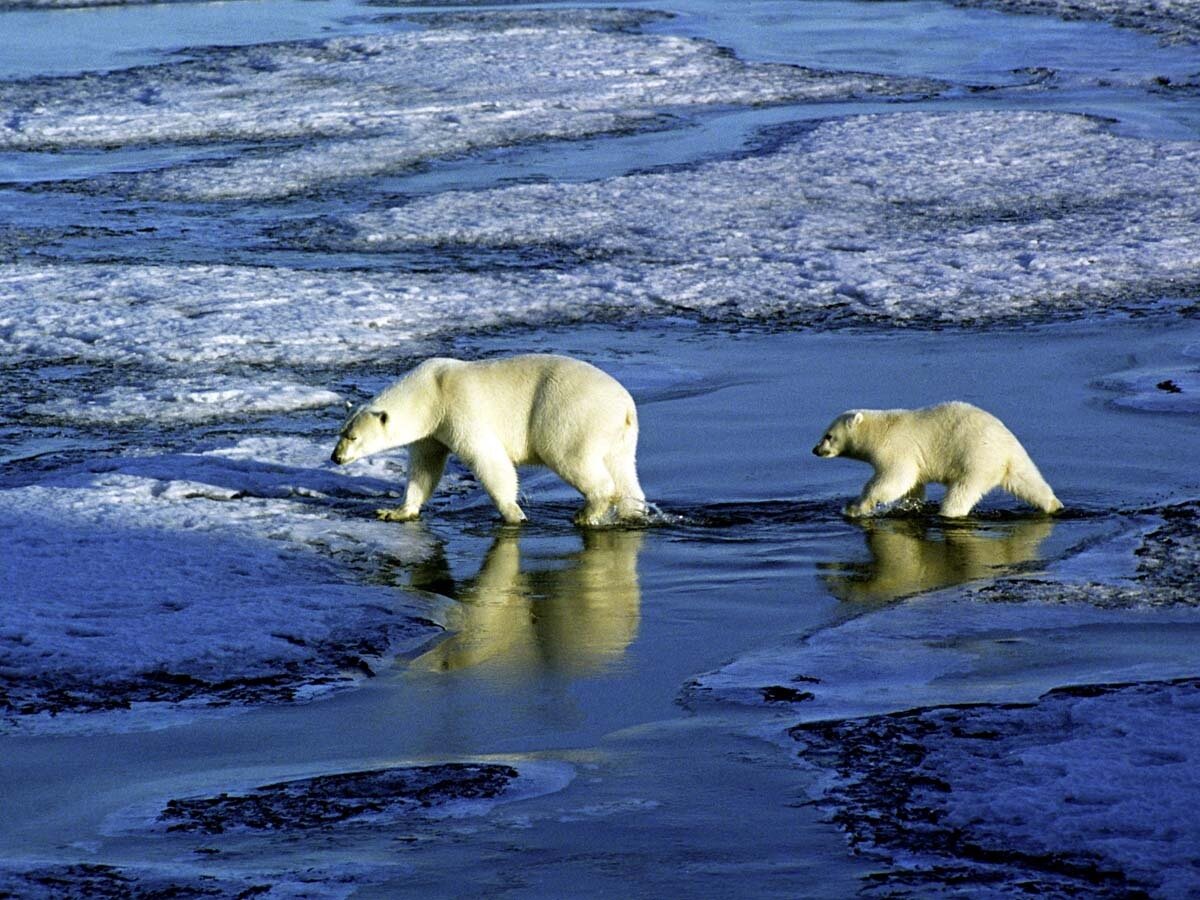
(911, 556)
(570, 613)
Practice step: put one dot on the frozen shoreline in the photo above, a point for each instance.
(1172, 20)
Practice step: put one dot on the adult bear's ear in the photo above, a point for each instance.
(858, 417)
(382, 417)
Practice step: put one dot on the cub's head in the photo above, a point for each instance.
(364, 433)
(839, 436)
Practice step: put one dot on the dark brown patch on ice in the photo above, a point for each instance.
(328, 801)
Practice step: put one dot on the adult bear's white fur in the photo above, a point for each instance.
(955, 444)
(496, 414)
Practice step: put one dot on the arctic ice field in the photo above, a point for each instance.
(222, 675)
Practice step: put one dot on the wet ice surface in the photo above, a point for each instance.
(1173, 20)
(549, 76)
(957, 218)
(209, 249)
(195, 579)
(1075, 793)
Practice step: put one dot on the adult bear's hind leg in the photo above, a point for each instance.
(591, 477)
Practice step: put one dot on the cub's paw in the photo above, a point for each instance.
(396, 515)
(857, 510)
(512, 515)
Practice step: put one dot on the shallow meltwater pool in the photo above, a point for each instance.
(222, 675)
(629, 677)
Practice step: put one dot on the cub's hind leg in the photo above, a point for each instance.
(961, 497)
(1025, 482)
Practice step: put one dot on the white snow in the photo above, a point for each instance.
(210, 567)
(955, 218)
(1082, 775)
(182, 400)
(1173, 20)
(1078, 788)
(207, 315)
(379, 103)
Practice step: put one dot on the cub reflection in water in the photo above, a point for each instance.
(572, 613)
(910, 556)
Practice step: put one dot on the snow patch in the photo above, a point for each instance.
(193, 582)
(184, 400)
(372, 104)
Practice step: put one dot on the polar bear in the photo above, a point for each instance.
(496, 414)
(956, 444)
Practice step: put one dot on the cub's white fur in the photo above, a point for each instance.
(955, 444)
(497, 414)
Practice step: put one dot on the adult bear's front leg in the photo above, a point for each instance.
(426, 463)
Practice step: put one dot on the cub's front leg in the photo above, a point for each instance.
(886, 486)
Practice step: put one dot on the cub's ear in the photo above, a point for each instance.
(858, 417)
(382, 416)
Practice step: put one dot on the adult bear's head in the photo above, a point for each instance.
(364, 433)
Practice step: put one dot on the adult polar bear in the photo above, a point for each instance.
(956, 444)
(496, 414)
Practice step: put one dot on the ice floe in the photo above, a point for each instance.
(941, 649)
(178, 400)
(1165, 386)
(957, 217)
(1173, 20)
(936, 734)
(193, 580)
(366, 798)
(921, 218)
(378, 103)
(1081, 792)
(343, 798)
(998, 642)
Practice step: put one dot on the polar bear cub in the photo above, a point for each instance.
(956, 444)
(496, 414)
